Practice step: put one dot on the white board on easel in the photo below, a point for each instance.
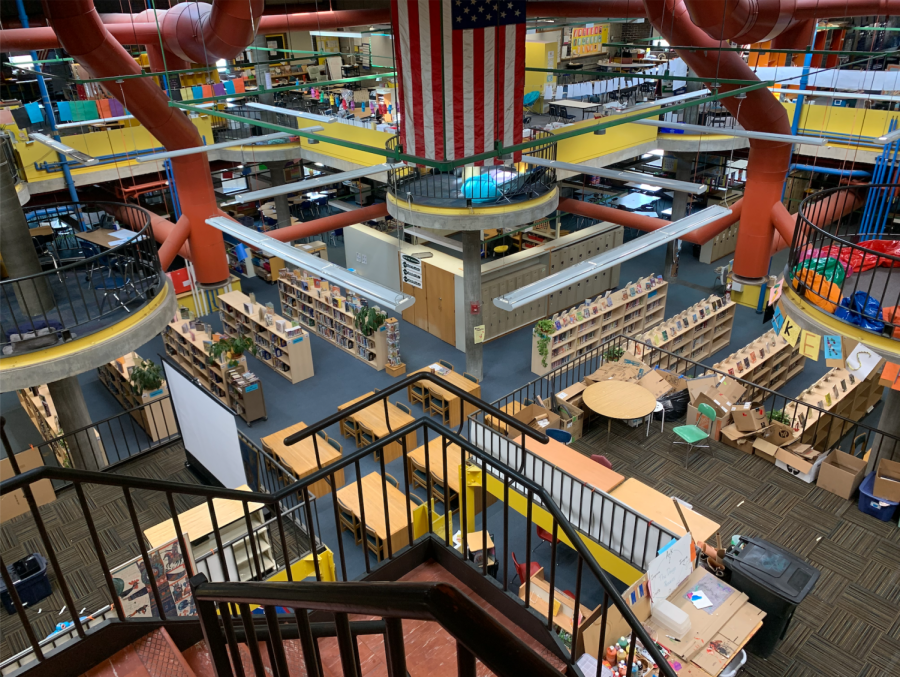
(334, 64)
(669, 569)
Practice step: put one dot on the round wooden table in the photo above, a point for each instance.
(618, 399)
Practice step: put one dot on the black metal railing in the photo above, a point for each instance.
(88, 286)
(844, 253)
(811, 424)
(467, 186)
(480, 469)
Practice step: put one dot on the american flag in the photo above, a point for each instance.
(461, 72)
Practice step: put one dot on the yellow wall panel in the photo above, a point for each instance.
(589, 146)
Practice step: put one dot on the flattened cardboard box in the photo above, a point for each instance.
(778, 434)
(613, 371)
(698, 385)
(734, 438)
(655, 384)
(765, 450)
(841, 474)
(748, 417)
(677, 382)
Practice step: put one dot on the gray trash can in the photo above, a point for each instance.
(775, 580)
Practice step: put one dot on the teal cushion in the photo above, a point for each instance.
(691, 433)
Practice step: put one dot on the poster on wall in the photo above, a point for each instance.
(411, 270)
(136, 594)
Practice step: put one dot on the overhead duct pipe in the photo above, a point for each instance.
(329, 223)
(88, 41)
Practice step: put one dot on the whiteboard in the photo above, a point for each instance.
(668, 570)
(334, 64)
(208, 429)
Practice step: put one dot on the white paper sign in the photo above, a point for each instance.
(411, 270)
(862, 361)
(668, 570)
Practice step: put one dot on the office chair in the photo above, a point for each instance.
(521, 573)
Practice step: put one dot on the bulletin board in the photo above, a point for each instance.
(588, 40)
(276, 44)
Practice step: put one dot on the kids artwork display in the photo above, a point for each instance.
(132, 583)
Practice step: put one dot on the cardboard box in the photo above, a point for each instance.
(693, 418)
(677, 382)
(765, 450)
(571, 418)
(734, 438)
(655, 384)
(573, 394)
(748, 417)
(798, 466)
(721, 397)
(613, 371)
(14, 504)
(778, 434)
(696, 386)
(841, 474)
(535, 416)
(887, 480)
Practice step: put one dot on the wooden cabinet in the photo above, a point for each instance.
(440, 302)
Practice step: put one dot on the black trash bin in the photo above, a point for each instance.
(775, 580)
(29, 575)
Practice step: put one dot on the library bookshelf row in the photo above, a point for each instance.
(38, 404)
(264, 266)
(281, 344)
(768, 361)
(331, 312)
(695, 334)
(577, 331)
(155, 416)
(189, 348)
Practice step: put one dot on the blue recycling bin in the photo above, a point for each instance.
(29, 575)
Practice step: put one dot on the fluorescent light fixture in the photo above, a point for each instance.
(377, 294)
(431, 237)
(295, 113)
(221, 65)
(216, 146)
(580, 271)
(315, 183)
(671, 184)
(336, 34)
(84, 123)
(658, 152)
(889, 138)
(667, 100)
(68, 151)
(728, 131)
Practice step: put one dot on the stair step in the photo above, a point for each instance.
(154, 655)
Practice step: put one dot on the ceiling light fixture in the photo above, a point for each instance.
(580, 271)
(618, 175)
(249, 141)
(68, 151)
(376, 294)
(295, 113)
(743, 133)
(315, 183)
(336, 34)
(889, 138)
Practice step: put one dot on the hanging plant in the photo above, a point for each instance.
(543, 330)
(147, 375)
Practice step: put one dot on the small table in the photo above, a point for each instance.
(301, 457)
(103, 238)
(372, 417)
(452, 400)
(618, 399)
(475, 543)
(373, 501)
(583, 105)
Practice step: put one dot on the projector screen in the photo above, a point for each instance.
(208, 429)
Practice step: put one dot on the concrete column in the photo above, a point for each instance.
(471, 240)
(679, 211)
(886, 447)
(282, 206)
(84, 447)
(35, 298)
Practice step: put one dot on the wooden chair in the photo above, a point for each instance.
(418, 476)
(348, 520)
(375, 544)
(366, 436)
(440, 493)
(336, 445)
(402, 407)
(445, 364)
(392, 480)
(440, 406)
(470, 377)
(350, 428)
(419, 393)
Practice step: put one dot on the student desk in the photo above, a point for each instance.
(578, 466)
(460, 382)
(435, 453)
(301, 457)
(661, 509)
(372, 417)
(103, 238)
(373, 502)
(565, 605)
(512, 409)
(583, 106)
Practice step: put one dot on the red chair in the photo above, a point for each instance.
(521, 574)
(545, 536)
(602, 460)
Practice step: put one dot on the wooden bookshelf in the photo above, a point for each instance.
(156, 416)
(581, 329)
(283, 347)
(38, 404)
(695, 333)
(853, 401)
(330, 312)
(265, 267)
(768, 361)
(246, 393)
(189, 348)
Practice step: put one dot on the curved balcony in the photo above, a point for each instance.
(847, 267)
(89, 285)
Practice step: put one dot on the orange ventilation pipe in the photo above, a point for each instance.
(648, 223)
(319, 226)
(88, 41)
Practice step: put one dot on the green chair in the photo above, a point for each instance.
(692, 435)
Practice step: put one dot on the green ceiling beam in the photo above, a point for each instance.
(294, 87)
(755, 50)
(607, 74)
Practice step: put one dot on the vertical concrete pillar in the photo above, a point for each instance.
(35, 298)
(85, 450)
(886, 447)
(282, 206)
(679, 211)
(471, 240)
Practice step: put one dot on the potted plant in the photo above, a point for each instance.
(217, 350)
(543, 330)
(614, 354)
(779, 416)
(146, 375)
(234, 347)
(368, 320)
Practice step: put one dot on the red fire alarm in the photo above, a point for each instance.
(475, 307)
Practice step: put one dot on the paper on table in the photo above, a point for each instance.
(700, 600)
(668, 570)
